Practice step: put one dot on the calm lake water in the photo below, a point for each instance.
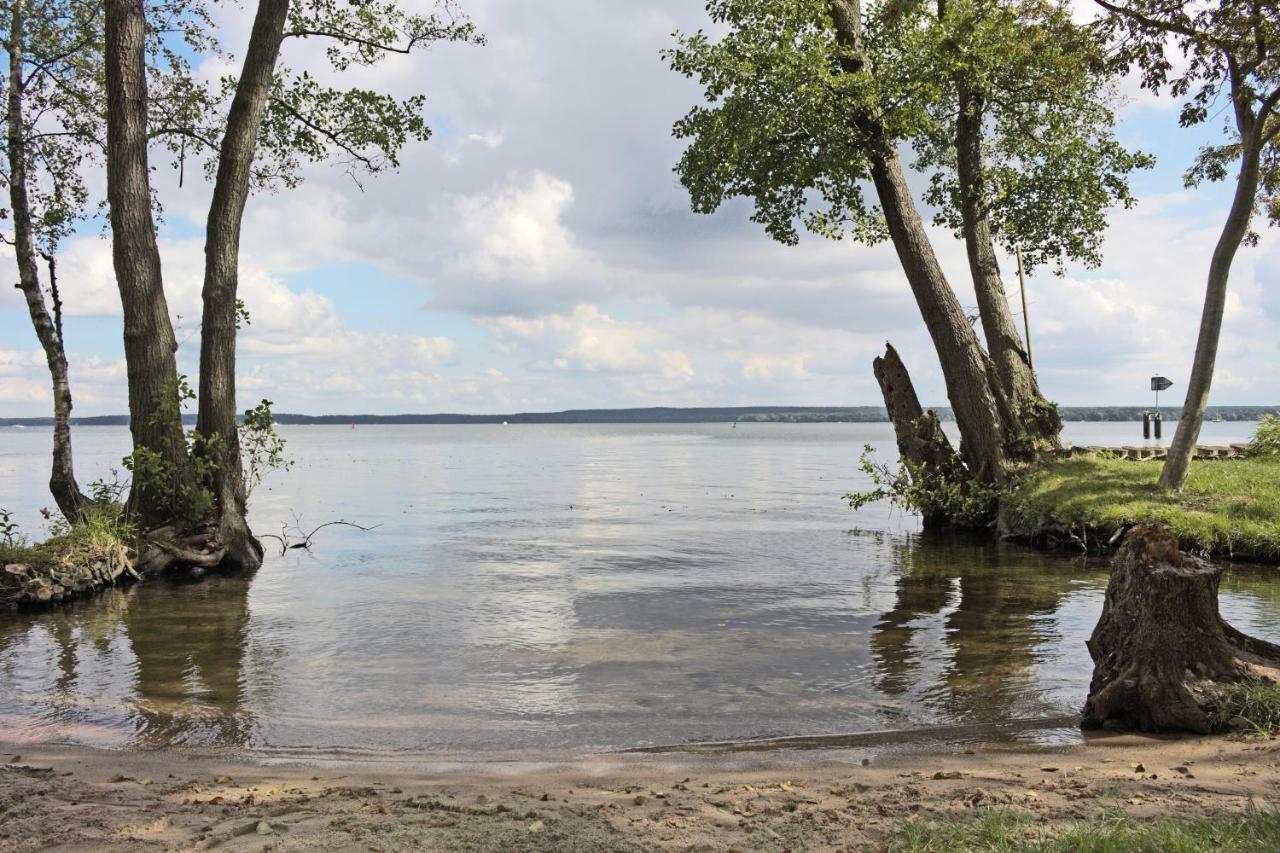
(546, 588)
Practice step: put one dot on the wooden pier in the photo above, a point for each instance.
(1203, 451)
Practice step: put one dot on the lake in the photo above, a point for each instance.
(541, 589)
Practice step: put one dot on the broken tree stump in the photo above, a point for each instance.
(921, 442)
(1162, 653)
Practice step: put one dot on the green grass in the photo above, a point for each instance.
(1255, 702)
(101, 533)
(1228, 507)
(1006, 832)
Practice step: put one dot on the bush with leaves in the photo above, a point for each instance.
(261, 446)
(190, 495)
(955, 498)
(1266, 438)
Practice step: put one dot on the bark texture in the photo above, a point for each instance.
(921, 442)
(1182, 449)
(217, 414)
(149, 343)
(62, 480)
(1161, 651)
(1034, 425)
(965, 366)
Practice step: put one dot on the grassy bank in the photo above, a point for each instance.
(75, 560)
(1008, 832)
(1229, 507)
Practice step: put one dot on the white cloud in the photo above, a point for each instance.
(557, 263)
(517, 232)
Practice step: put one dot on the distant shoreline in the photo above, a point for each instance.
(664, 415)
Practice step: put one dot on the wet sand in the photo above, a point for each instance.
(72, 798)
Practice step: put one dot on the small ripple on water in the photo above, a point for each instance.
(707, 585)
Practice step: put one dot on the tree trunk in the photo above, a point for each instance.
(217, 417)
(149, 345)
(62, 481)
(921, 443)
(1181, 451)
(1161, 651)
(965, 366)
(1035, 425)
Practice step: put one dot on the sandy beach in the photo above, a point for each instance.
(72, 798)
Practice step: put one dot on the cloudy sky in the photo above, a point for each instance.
(539, 254)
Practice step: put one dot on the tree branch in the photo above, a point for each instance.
(55, 295)
(1151, 23)
(351, 39)
(334, 138)
(182, 131)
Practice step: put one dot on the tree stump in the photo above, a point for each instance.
(921, 442)
(1161, 651)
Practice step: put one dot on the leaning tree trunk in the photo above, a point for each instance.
(62, 480)
(1161, 652)
(217, 417)
(1181, 451)
(921, 443)
(965, 366)
(1034, 425)
(149, 344)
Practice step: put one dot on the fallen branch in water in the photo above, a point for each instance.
(299, 538)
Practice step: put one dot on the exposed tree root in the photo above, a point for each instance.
(68, 578)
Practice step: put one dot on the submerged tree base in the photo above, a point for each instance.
(1163, 657)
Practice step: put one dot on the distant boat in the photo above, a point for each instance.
(18, 426)
(504, 423)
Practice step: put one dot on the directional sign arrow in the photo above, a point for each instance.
(1159, 383)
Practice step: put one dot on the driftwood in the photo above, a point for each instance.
(1162, 653)
(921, 442)
(300, 539)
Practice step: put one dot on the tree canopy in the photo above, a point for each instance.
(779, 123)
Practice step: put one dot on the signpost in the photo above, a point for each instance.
(1158, 384)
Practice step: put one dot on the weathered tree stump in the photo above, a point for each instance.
(921, 442)
(1161, 651)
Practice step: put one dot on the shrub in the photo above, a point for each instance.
(1266, 438)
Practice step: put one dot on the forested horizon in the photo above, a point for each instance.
(676, 414)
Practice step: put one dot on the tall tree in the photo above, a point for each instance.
(217, 412)
(277, 120)
(56, 130)
(45, 126)
(1224, 51)
(795, 111)
(810, 99)
(149, 344)
(1019, 147)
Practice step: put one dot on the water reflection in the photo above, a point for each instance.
(189, 653)
(990, 609)
(553, 588)
(156, 664)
